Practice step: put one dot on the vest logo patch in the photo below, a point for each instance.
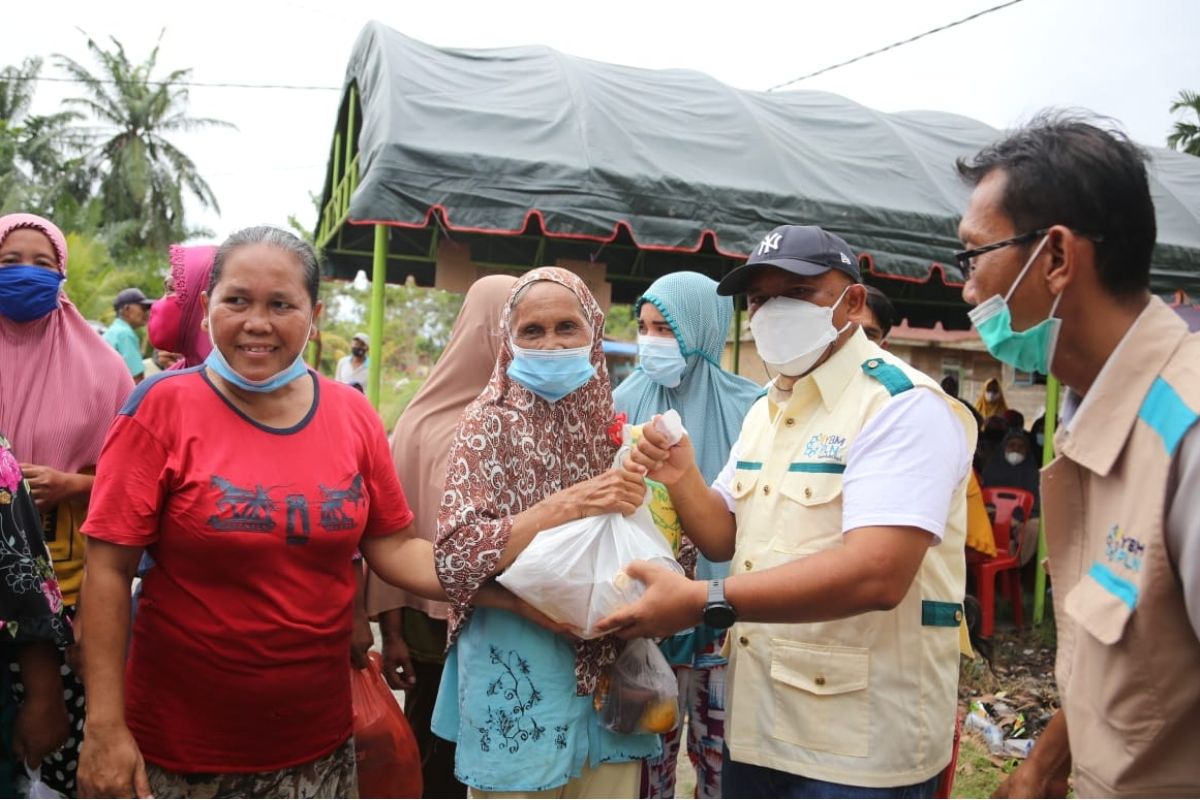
(825, 446)
(1124, 550)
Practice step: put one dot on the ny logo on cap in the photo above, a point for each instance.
(770, 242)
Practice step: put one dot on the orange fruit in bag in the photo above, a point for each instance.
(600, 697)
(660, 716)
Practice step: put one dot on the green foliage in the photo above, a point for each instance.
(416, 327)
(620, 323)
(1186, 136)
(395, 397)
(42, 169)
(94, 278)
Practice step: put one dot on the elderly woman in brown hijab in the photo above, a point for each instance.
(532, 452)
(413, 628)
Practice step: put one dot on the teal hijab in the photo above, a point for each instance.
(711, 401)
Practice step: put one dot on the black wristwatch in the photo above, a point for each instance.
(718, 613)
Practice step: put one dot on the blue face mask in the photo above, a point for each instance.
(1030, 350)
(217, 363)
(27, 292)
(552, 374)
(661, 360)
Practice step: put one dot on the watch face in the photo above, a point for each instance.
(719, 616)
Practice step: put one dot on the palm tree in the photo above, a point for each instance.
(142, 175)
(41, 164)
(1186, 137)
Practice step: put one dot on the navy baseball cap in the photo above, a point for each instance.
(800, 249)
(132, 295)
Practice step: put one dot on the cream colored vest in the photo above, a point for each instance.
(869, 700)
(1128, 659)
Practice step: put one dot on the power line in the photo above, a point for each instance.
(199, 84)
(894, 45)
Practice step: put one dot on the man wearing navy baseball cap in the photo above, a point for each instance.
(133, 309)
(843, 509)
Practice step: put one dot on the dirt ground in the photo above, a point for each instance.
(1020, 681)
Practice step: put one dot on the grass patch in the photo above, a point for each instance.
(978, 774)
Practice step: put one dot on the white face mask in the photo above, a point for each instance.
(992, 395)
(1014, 458)
(792, 335)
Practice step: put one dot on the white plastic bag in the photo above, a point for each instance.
(639, 693)
(574, 573)
(37, 789)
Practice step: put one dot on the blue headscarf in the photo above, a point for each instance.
(711, 401)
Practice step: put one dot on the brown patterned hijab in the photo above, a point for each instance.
(514, 449)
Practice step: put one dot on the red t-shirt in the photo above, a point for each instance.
(240, 653)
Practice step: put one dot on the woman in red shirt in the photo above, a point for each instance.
(250, 480)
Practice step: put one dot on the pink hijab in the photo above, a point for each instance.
(60, 383)
(190, 271)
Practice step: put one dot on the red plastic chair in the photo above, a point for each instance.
(1006, 564)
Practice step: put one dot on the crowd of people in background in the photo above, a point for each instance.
(823, 522)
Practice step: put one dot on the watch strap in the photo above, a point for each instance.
(716, 591)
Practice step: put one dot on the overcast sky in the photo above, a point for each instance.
(1124, 59)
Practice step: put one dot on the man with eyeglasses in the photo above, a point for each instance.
(1059, 233)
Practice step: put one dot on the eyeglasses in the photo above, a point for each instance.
(966, 258)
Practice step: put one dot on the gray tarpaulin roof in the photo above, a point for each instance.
(492, 138)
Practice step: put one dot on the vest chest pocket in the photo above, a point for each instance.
(1102, 687)
(813, 489)
(810, 514)
(1102, 603)
(822, 697)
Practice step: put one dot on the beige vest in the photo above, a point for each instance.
(869, 700)
(1128, 660)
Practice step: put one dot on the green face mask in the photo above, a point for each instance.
(1030, 350)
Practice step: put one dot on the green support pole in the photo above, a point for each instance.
(351, 143)
(336, 162)
(1039, 586)
(375, 326)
